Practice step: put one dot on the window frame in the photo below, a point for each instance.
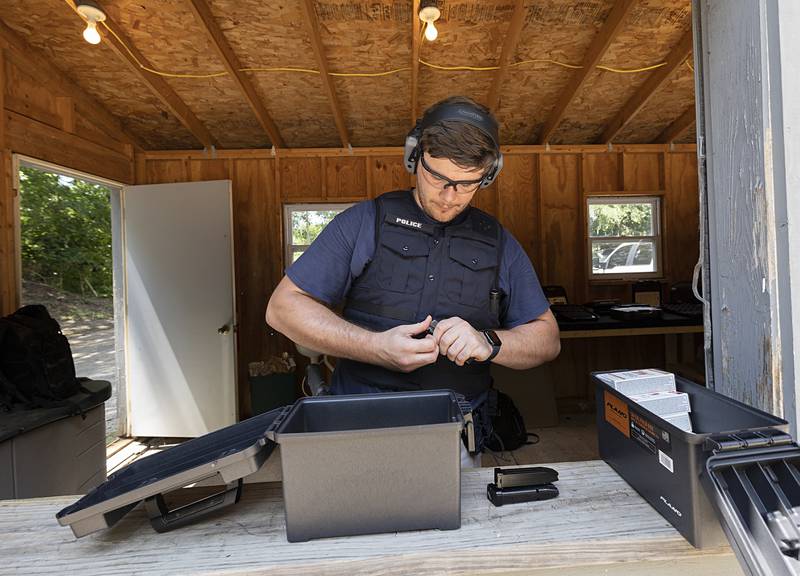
(289, 209)
(656, 200)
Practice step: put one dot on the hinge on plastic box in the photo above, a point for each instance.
(270, 432)
(469, 426)
(745, 440)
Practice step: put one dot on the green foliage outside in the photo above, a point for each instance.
(65, 233)
(620, 219)
(306, 226)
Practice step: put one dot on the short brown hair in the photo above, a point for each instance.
(463, 144)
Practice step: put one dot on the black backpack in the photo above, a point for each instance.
(35, 358)
(509, 431)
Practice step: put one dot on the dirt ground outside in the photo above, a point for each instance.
(88, 324)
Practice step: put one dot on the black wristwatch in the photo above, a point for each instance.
(494, 342)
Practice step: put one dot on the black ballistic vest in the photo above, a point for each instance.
(420, 267)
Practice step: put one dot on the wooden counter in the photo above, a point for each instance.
(598, 525)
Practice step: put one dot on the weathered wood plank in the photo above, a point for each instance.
(570, 534)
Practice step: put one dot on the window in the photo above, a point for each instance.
(624, 236)
(302, 223)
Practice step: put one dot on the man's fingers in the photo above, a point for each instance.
(419, 327)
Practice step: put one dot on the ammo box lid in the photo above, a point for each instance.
(232, 452)
(753, 482)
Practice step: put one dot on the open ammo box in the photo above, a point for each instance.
(737, 475)
(356, 464)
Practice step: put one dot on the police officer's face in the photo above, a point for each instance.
(437, 194)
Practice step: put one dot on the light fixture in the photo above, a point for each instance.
(93, 14)
(429, 13)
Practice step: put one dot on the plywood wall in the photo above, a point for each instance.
(44, 115)
(539, 196)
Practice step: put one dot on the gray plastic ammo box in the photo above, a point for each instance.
(371, 463)
(736, 476)
(355, 464)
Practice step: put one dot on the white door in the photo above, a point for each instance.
(179, 301)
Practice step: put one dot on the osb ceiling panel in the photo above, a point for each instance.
(52, 27)
(370, 36)
(268, 34)
(650, 32)
(668, 103)
(471, 33)
(173, 41)
(559, 30)
(365, 36)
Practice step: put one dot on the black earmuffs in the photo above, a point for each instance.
(457, 113)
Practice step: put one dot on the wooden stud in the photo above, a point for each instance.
(676, 57)
(231, 62)
(509, 47)
(126, 50)
(2, 98)
(594, 54)
(37, 63)
(678, 127)
(415, 42)
(327, 82)
(66, 110)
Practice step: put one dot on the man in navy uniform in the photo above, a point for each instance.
(413, 259)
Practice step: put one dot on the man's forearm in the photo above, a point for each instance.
(528, 345)
(310, 323)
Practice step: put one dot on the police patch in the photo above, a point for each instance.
(409, 223)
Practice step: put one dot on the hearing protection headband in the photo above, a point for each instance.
(456, 113)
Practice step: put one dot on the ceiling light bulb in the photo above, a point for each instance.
(431, 33)
(92, 14)
(91, 35)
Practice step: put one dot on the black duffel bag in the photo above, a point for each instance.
(35, 357)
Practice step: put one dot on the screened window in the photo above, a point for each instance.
(302, 223)
(624, 236)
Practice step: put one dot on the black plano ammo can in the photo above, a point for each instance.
(720, 473)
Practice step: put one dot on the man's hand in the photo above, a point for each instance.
(459, 341)
(399, 350)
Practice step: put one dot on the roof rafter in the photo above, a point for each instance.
(676, 56)
(600, 44)
(327, 81)
(678, 127)
(229, 59)
(509, 47)
(125, 49)
(415, 43)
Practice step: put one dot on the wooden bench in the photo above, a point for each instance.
(598, 525)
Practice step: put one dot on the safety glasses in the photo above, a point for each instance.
(442, 182)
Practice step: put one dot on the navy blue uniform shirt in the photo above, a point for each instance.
(344, 247)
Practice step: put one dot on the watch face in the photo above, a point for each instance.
(492, 337)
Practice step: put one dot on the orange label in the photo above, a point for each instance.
(617, 413)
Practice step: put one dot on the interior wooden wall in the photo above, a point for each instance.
(539, 196)
(44, 115)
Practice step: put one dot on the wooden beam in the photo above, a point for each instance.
(676, 57)
(129, 54)
(327, 82)
(611, 27)
(229, 59)
(36, 63)
(509, 47)
(2, 98)
(415, 42)
(678, 127)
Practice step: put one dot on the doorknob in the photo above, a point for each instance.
(224, 329)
